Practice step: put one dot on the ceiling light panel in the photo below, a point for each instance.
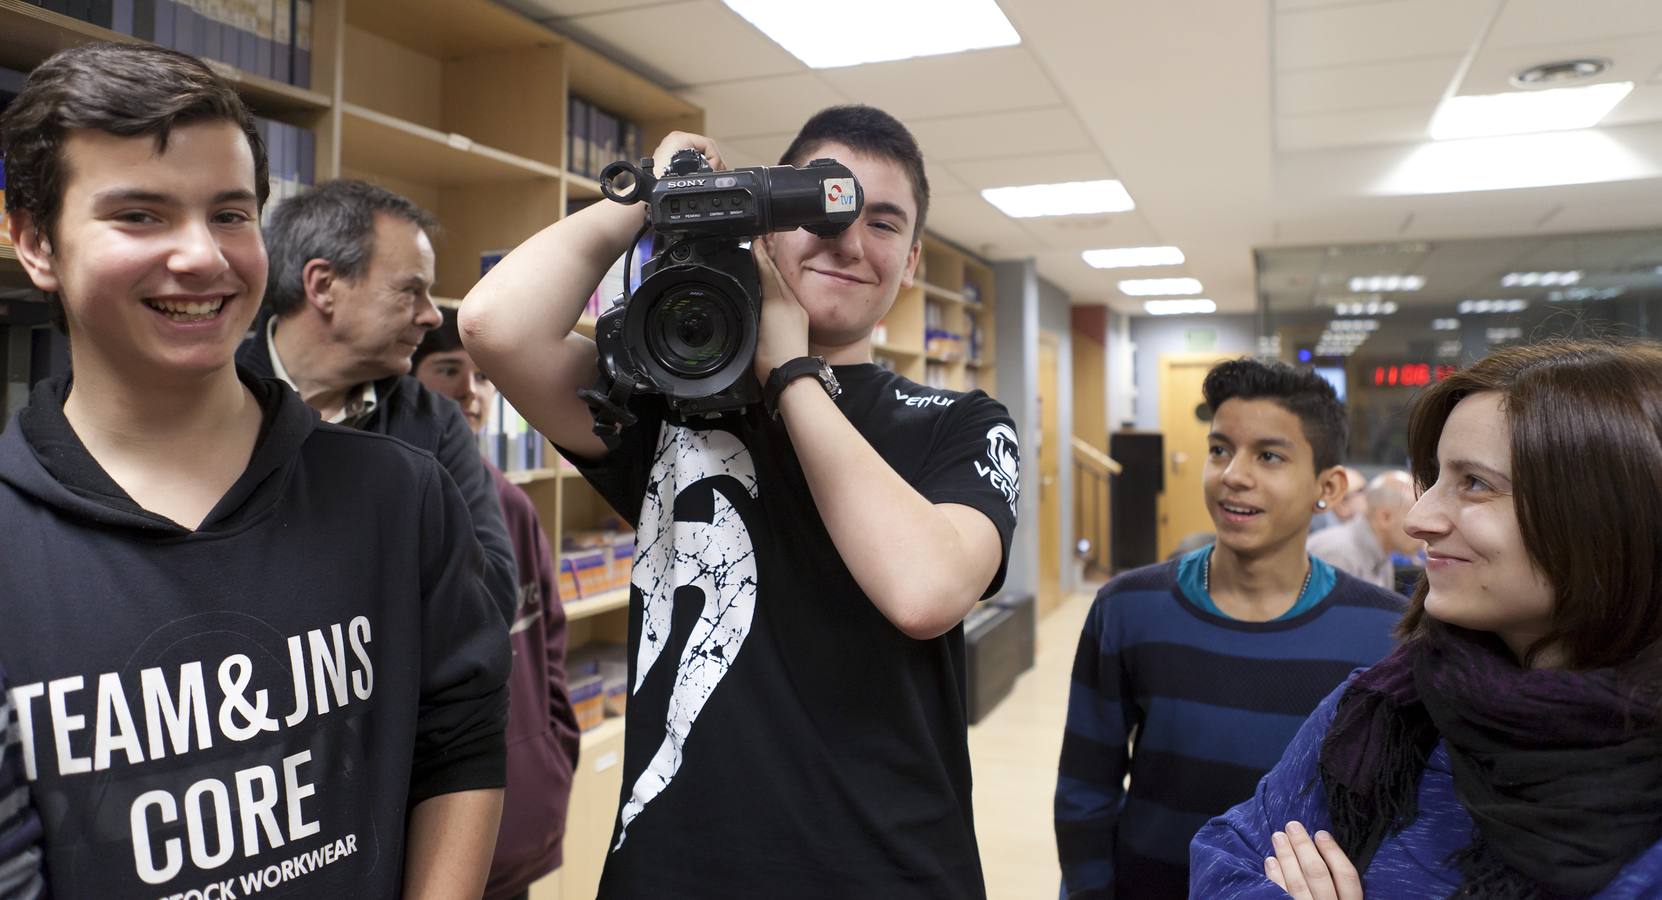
(1190, 307)
(1069, 198)
(1540, 279)
(1386, 283)
(1160, 287)
(1133, 257)
(1526, 112)
(856, 32)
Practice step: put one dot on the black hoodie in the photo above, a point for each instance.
(253, 706)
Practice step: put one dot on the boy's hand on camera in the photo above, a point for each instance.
(784, 331)
(676, 141)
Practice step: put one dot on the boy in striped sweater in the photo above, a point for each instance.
(1206, 665)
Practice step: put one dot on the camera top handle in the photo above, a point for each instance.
(642, 176)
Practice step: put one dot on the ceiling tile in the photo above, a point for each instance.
(662, 38)
(975, 223)
(1078, 233)
(944, 179)
(1633, 58)
(1372, 85)
(1021, 133)
(1536, 22)
(950, 85)
(761, 105)
(1376, 32)
(1045, 169)
(1349, 129)
(546, 9)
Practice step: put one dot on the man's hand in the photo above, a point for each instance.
(676, 141)
(1311, 869)
(784, 331)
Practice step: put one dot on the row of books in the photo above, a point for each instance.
(270, 38)
(291, 155)
(596, 139)
(598, 683)
(592, 563)
(509, 442)
(11, 83)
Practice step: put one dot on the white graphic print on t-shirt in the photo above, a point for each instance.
(719, 559)
(1004, 473)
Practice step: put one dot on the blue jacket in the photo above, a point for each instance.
(1226, 858)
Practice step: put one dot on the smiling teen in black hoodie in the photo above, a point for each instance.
(247, 651)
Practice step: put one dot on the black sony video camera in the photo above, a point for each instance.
(689, 330)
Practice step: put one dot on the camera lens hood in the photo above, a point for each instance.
(691, 331)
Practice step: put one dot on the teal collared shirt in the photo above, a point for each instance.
(1191, 579)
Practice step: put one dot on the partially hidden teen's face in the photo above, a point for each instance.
(1260, 480)
(1479, 573)
(157, 257)
(454, 375)
(380, 316)
(848, 283)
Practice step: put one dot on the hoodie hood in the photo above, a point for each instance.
(42, 457)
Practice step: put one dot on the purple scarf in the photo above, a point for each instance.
(1561, 771)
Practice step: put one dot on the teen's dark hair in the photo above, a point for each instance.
(443, 339)
(1299, 391)
(1586, 455)
(868, 130)
(334, 221)
(128, 90)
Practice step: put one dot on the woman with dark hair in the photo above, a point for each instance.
(1512, 746)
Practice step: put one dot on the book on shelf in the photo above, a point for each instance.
(268, 38)
(596, 138)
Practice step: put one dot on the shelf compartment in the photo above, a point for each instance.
(599, 603)
(379, 143)
(936, 292)
(33, 33)
(446, 29)
(601, 733)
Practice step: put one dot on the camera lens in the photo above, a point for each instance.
(693, 332)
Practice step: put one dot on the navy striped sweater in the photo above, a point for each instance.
(1206, 702)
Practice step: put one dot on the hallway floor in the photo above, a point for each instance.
(1014, 753)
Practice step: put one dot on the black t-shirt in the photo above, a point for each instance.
(784, 738)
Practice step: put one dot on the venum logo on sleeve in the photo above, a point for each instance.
(1005, 471)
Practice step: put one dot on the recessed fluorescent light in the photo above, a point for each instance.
(1070, 198)
(1518, 161)
(1445, 324)
(868, 31)
(1525, 112)
(1539, 279)
(1133, 257)
(1160, 287)
(1370, 308)
(1192, 307)
(1471, 307)
(1386, 283)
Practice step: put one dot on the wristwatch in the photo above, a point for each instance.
(801, 367)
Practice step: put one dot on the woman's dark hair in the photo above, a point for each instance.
(1586, 456)
(128, 90)
(1299, 391)
(871, 131)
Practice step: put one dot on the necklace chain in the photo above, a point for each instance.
(1206, 579)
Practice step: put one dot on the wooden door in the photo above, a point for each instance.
(1051, 447)
(1185, 424)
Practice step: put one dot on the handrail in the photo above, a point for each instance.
(1102, 460)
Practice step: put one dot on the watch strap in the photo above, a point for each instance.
(801, 367)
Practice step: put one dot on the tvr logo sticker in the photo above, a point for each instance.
(691, 536)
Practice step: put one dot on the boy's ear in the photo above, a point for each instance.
(912, 257)
(1333, 485)
(34, 250)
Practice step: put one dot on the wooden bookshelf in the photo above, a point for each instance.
(940, 299)
(577, 610)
